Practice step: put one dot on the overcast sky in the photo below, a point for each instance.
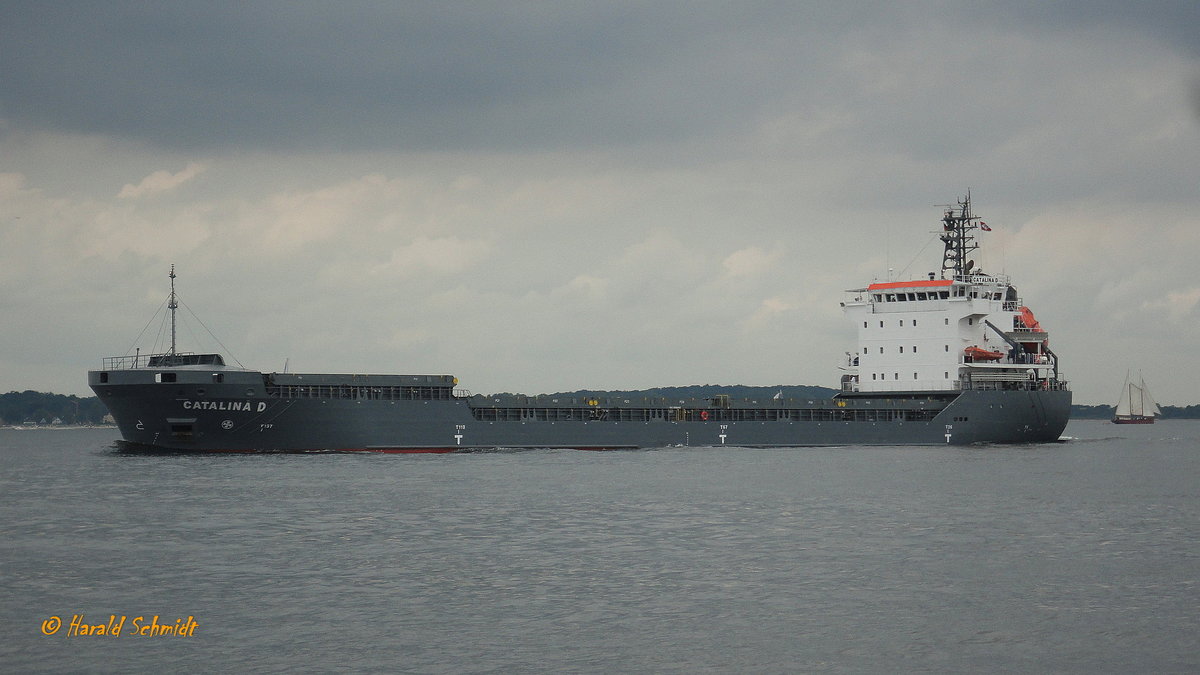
(542, 197)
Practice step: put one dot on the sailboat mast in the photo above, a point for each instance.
(1143, 394)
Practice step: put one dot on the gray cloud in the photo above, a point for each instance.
(532, 76)
(411, 77)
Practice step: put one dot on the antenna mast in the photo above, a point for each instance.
(172, 305)
(957, 227)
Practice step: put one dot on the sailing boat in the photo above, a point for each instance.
(1136, 406)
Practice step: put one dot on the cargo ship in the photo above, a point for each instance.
(954, 357)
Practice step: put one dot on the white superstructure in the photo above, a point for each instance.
(964, 330)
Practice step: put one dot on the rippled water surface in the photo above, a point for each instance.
(1081, 556)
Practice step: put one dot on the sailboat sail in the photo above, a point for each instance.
(1136, 404)
(1149, 406)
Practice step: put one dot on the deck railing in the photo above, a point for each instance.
(139, 360)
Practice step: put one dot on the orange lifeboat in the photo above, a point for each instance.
(1032, 324)
(981, 354)
(1027, 319)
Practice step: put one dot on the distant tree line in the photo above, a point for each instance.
(19, 407)
(1105, 412)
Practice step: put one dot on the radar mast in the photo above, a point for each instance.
(958, 226)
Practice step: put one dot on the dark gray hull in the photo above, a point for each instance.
(243, 414)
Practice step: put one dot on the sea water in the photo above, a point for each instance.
(1081, 556)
